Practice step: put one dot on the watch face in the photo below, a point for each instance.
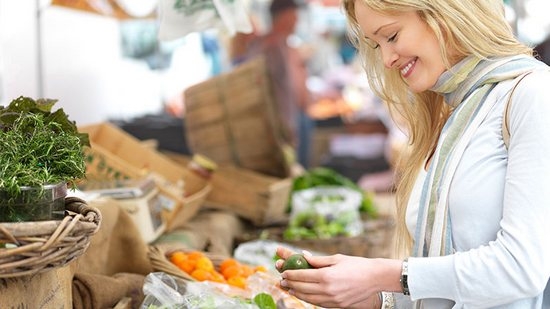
(139, 8)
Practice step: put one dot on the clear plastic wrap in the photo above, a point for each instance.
(163, 291)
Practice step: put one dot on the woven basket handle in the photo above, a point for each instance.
(79, 206)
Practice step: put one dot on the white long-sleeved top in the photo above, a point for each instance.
(499, 205)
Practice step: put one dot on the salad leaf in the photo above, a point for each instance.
(265, 301)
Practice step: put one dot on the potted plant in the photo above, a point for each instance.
(41, 156)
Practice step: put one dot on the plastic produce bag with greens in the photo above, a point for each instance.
(323, 176)
(324, 212)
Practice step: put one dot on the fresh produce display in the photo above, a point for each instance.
(253, 287)
(322, 176)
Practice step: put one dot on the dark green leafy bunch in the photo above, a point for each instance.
(38, 146)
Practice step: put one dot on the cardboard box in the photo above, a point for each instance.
(115, 153)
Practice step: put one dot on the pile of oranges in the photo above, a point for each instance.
(199, 266)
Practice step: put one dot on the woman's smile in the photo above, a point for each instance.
(406, 71)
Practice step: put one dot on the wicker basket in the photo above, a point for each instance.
(40, 246)
(159, 258)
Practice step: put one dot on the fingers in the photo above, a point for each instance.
(284, 252)
(321, 261)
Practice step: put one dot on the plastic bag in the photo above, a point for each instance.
(163, 291)
(179, 17)
(324, 212)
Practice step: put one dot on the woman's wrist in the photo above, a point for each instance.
(390, 275)
(404, 280)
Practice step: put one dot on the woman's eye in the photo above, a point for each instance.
(392, 38)
(372, 44)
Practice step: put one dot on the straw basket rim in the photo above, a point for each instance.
(40, 246)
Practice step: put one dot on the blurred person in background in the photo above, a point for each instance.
(473, 203)
(239, 44)
(288, 69)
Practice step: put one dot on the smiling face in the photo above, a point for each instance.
(407, 44)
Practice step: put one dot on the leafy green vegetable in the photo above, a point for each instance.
(312, 225)
(321, 176)
(265, 301)
(38, 146)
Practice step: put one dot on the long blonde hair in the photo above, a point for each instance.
(466, 27)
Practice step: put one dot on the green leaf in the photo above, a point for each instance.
(265, 301)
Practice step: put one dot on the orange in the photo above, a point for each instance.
(247, 270)
(195, 255)
(260, 268)
(238, 281)
(217, 277)
(204, 263)
(201, 274)
(178, 257)
(187, 266)
(232, 271)
(228, 262)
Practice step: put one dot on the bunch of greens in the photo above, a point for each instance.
(38, 146)
(313, 225)
(323, 176)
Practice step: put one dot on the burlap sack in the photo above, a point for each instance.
(92, 291)
(117, 247)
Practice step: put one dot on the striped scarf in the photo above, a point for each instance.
(465, 87)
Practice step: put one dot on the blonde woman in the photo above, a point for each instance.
(473, 205)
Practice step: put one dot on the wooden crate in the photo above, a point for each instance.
(259, 198)
(232, 119)
(117, 153)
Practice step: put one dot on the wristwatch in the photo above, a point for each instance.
(404, 277)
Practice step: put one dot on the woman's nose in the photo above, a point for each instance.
(389, 56)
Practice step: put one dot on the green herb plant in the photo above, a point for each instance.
(38, 147)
